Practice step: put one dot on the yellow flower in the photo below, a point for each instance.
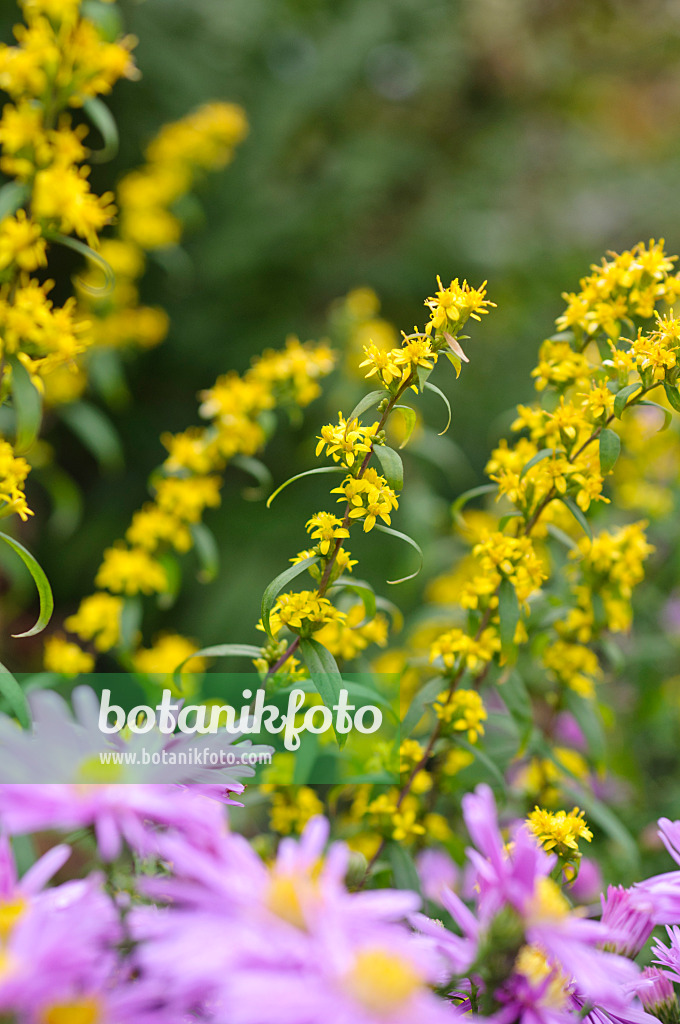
(97, 619)
(66, 658)
(559, 831)
(303, 612)
(131, 571)
(62, 194)
(21, 242)
(187, 498)
(168, 652)
(347, 441)
(463, 710)
(326, 528)
(152, 526)
(382, 363)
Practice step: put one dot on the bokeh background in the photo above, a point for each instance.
(390, 141)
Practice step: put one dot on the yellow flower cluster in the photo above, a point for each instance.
(303, 613)
(574, 666)
(347, 638)
(451, 307)
(181, 152)
(188, 482)
(370, 498)
(627, 286)
(202, 141)
(346, 442)
(541, 778)
(291, 808)
(13, 473)
(560, 830)
(611, 566)
(456, 648)
(462, 711)
(512, 558)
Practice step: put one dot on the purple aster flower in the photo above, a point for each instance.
(130, 813)
(664, 890)
(587, 885)
(629, 914)
(657, 994)
(437, 872)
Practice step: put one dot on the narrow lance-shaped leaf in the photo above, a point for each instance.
(258, 471)
(27, 406)
(15, 697)
(508, 610)
(578, 516)
(41, 582)
(363, 590)
(105, 123)
(95, 431)
(217, 651)
(610, 448)
(391, 465)
(84, 250)
(432, 387)
(277, 585)
(673, 395)
(545, 453)
(462, 500)
(12, 196)
(407, 540)
(207, 551)
(622, 397)
(409, 415)
(299, 476)
(325, 674)
(667, 414)
(372, 398)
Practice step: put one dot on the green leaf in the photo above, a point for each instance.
(15, 697)
(404, 870)
(484, 759)
(130, 622)
(27, 406)
(424, 696)
(95, 431)
(508, 610)
(673, 395)
(407, 540)
(12, 196)
(563, 537)
(391, 465)
(41, 582)
(299, 476)
(217, 651)
(104, 122)
(610, 448)
(545, 453)
(433, 387)
(258, 471)
(578, 516)
(409, 421)
(385, 605)
(363, 590)
(587, 716)
(463, 499)
(503, 522)
(515, 696)
(622, 398)
(105, 372)
(373, 398)
(325, 674)
(667, 414)
(207, 551)
(423, 373)
(277, 585)
(94, 257)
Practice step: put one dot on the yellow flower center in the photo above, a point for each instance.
(82, 1011)
(381, 981)
(10, 912)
